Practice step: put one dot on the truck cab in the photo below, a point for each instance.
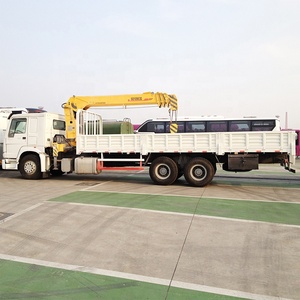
(5, 114)
(28, 140)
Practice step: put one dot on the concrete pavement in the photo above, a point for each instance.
(247, 259)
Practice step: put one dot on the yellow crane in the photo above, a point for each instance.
(76, 103)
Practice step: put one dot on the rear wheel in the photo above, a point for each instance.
(199, 172)
(163, 170)
(30, 167)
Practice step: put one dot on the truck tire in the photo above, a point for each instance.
(30, 167)
(199, 172)
(163, 170)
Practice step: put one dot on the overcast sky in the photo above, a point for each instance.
(220, 57)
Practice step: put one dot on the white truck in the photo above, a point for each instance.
(37, 146)
(5, 113)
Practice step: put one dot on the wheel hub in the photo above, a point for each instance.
(163, 171)
(198, 172)
(29, 167)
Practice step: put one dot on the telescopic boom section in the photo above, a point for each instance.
(76, 103)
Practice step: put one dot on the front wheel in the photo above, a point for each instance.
(199, 172)
(30, 167)
(163, 170)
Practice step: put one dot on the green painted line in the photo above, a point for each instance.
(29, 281)
(283, 213)
(272, 212)
(142, 201)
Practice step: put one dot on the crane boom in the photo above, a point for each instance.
(76, 103)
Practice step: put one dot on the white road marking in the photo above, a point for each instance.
(150, 194)
(21, 212)
(226, 292)
(99, 184)
(105, 182)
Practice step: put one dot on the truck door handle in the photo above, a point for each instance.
(24, 138)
